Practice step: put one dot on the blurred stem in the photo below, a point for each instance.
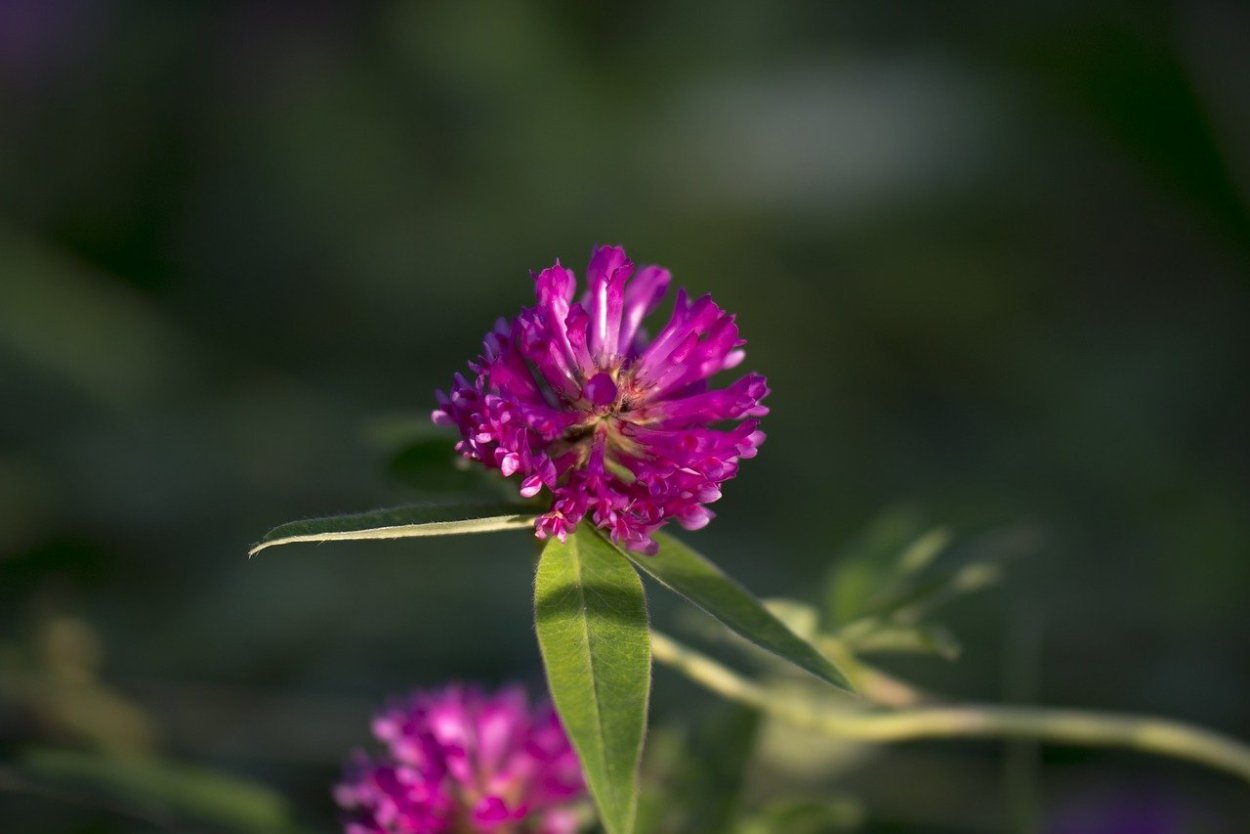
(1057, 726)
(872, 683)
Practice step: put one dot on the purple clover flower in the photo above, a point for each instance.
(461, 761)
(573, 396)
(1136, 811)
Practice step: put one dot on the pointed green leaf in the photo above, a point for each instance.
(401, 523)
(691, 575)
(592, 628)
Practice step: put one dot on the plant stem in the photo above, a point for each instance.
(1062, 726)
(875, 685)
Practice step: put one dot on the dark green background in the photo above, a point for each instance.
(991, 256)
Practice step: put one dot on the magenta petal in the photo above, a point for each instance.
(742, 399)
(570, 399)
(607, 273)
(577, 325)
(642, 296)
(491, 813)
(559, 821)
(531, 486)
(555, 286)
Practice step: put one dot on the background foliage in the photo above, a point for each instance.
(992, 258)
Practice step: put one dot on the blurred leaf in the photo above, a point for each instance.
(891, 594)
(921, 553)
(86, 328)
(689, 574)
(84, 709)
(916, 603)
(179, 791)
(664, 761)
(798, 616)
(422, 457)
(693, 780)
(58, 680)
(432, 465)
(400, 523)
(889, 638)
(894, 546)
(396, 431)
(592, 625)
(717, 756)
(795, 754)
(805, 817)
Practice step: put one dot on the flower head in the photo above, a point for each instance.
(572, 396)
(461, 761)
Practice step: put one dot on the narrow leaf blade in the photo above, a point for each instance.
(691, 575)
(591, 617)
(400, 523)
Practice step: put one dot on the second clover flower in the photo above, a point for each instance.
(572, 396)
(460, 760)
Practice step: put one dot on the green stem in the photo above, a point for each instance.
(875, 685)
(1061, 726)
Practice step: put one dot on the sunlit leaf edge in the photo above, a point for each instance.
(433, 519)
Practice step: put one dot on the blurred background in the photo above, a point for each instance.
(991, 256)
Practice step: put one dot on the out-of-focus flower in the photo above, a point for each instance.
(462, 761)
(1124, 812)
(573, 396)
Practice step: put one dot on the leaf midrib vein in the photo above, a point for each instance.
(590, 662)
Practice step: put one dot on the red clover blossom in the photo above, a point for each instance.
(573, 396)
(460, 761)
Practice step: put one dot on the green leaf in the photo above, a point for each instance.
(879, 563)
(169, 790)
(920, 601)
(825, 816)
(691, 575)
(592, 628)
(401, 523)
(876, 637)
(921, 553)
(871, 587)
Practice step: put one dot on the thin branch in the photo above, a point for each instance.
(1057, 726)
(875, 685)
